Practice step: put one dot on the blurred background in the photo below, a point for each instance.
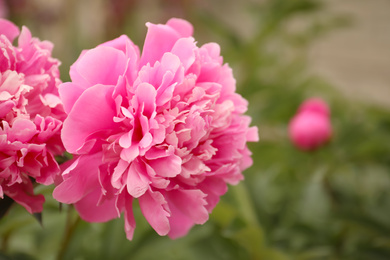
(332, 203)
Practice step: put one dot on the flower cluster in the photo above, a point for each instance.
(310, 128)
(31, 116)
(165, 127)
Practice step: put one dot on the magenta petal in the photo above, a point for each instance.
(179, 222)
(80, 178)
(191, 203)
(125, 203)
(92, 210)
(154, 208)
(92, 112)
(23, 194)
(129, 220)
(102, 65)
(214, 188)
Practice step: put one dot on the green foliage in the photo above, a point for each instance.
(329, 204)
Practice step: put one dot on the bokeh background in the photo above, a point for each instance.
(333, 203)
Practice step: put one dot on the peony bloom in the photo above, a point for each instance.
(31, 116)
(165, 127)
(310, 128)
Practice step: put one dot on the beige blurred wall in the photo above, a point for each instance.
(357, 58)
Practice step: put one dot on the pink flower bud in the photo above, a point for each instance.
(311, 128)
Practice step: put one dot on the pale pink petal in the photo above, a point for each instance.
(181, 26)
(184, 49)
(252, 134)
(92, 69)
(69, 94)
(169, 166)
(159, 39)
(137, 182)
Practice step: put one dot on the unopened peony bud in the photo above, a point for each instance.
(311, 128)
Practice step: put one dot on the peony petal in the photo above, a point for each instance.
(10, 30)
(23, 194)
(22, 130)
(146, 96)
(69, 93)
(184, 49)
(92, 112)
(252, 134)
(183, 27)
(214, 188)
(129, 154)
(155, 209)
(169, 166)
(92, 210)
(80, 178)
(102, 65)
(191, 203)
(129, 220)
(124, 44)
(125, 203)
(159, 40)
(137, 182)
(179, 222)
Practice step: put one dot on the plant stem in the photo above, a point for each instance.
(69, 229)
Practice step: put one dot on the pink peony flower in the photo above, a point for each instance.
(310, 128)
(30, 116)
(165, 127)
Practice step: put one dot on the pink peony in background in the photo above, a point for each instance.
(165, 127)
(311, 128)
(31, 116)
